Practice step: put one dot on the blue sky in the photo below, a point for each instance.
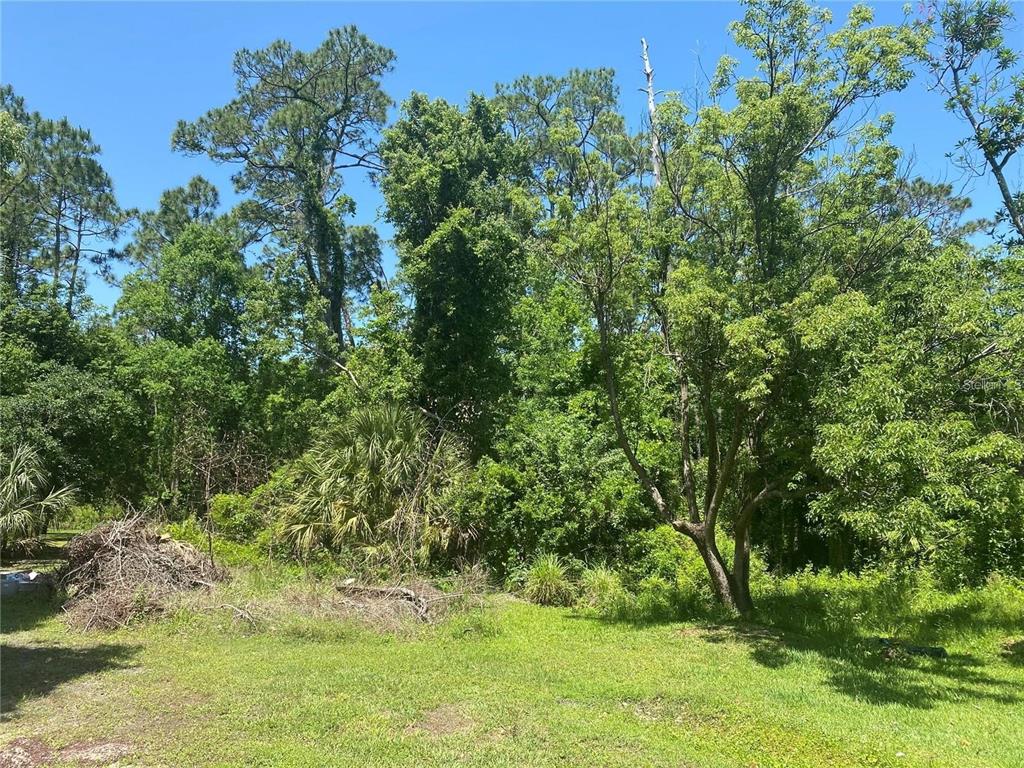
(129, 71)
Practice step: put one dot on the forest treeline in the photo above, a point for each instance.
(747, 321)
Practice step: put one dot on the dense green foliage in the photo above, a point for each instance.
(665, 361)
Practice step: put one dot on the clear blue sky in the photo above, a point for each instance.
(129, 71)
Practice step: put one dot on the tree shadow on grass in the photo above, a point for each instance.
(835, 628)
(31, 671)
(21, 612)
(861, 669)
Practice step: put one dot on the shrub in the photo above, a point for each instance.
(662, 556)
(893, 603)
(381, 481)
(547, 582)
(227, 552)
(557, 483)
(235, 516)
(82, 517)
(657, 600)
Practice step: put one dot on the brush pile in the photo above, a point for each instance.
(124, 570)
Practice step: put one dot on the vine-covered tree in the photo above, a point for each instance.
(461, 225)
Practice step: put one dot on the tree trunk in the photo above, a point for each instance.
(334, 321)
(837, 558)
(741, 573)
(721, 580)
(1009, 200)
(56, 256)
(10, 251)
(349, 327)
(652, 114)
(10, 270)
(69, 304)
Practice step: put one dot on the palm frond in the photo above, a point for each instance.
(26, 507)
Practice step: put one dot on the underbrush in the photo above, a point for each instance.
(662, 580)
(910, 605)
(291, 602)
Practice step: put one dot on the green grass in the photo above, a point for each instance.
(513, 685)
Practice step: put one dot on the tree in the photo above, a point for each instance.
(60, 205)
(299, 120)
(195, 203)
(60, 396)
(12, 154)
(753, 205)
(20, 232)
(193, 403)
(197, 290)
(461, 225)
(75, 203)
(919, 414)
(541, 112)
(974, 67)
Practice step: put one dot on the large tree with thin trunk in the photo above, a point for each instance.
(700, 277)
(299, 121)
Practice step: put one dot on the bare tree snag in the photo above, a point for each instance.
(652, 114)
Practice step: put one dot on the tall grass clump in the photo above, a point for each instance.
(602, 592)
(910, 605)
(546, 581)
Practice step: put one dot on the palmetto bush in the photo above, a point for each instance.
(27, 505)
(383, 481)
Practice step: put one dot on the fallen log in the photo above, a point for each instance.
(420, 603)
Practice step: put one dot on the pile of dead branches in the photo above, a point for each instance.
(124, 570)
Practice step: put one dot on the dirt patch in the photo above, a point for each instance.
(33, 753)
(723, 633)
(647, 709)
(445, 720)
(392, 609)
(25, 753)
(96, 751)
(693, 632)
(1013, 650)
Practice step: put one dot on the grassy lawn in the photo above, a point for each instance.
(511, 685)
